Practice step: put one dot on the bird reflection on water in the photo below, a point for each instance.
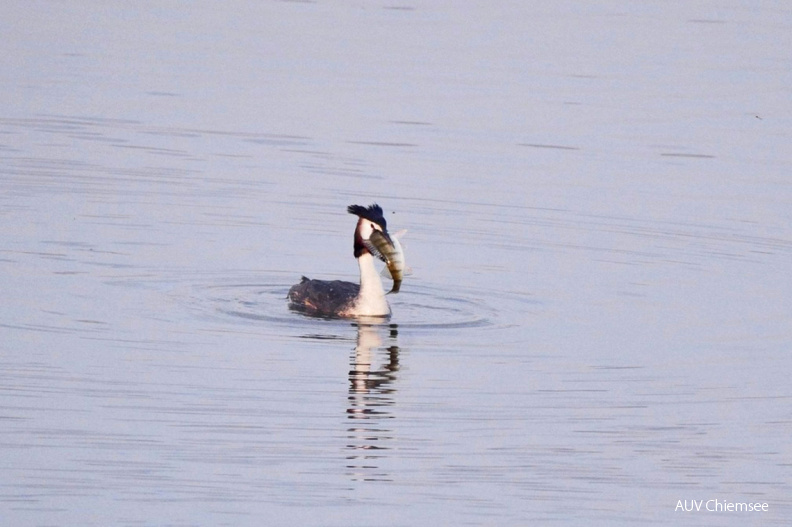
(372, 373)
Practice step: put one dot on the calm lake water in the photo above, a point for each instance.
(599, 213)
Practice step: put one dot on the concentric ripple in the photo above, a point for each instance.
(419, 307)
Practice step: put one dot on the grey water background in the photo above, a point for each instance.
(598, 204)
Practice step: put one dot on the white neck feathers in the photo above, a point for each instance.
(371, 299)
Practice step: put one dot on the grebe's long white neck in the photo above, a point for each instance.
(371, 299)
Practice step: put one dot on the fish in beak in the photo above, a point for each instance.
(389, 250)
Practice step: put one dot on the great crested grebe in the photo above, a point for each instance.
(344, 299)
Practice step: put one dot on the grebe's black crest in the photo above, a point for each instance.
(371, 213)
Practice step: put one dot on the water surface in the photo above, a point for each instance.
(596, 326)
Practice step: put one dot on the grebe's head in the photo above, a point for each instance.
(370, 220)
